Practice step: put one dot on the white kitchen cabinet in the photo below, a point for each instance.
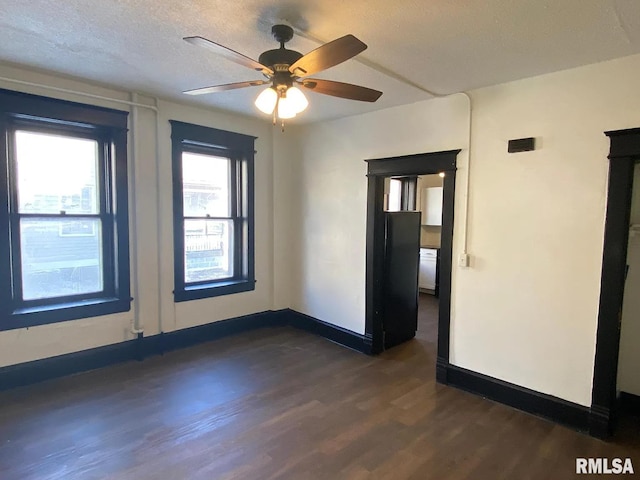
(427, 272)
(431, 206)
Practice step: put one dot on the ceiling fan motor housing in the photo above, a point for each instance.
(279, 56)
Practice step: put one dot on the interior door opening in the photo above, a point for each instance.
(391, 182)
(421, 194)
(618, 261)
(628, 380)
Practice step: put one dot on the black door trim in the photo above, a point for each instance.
(418, 164)
(624, 153)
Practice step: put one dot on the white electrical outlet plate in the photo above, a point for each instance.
(463, 260)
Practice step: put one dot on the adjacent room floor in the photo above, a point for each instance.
(281, 403)
(428, 319)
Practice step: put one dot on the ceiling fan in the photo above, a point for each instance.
(285, 69)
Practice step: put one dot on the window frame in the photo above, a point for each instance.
(239, 149)
(26, 112)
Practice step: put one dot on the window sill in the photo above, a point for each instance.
(62, 312)
(207, 290)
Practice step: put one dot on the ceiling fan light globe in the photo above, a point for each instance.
(299, 101)
(267, 100)
(286, 108)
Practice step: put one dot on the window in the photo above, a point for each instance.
(402, 194)
(63, 198)
(213, 211)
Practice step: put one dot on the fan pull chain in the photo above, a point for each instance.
(275, 111)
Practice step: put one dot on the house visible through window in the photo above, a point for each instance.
(213, 211)
(63, 195)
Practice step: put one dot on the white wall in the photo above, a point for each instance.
(151, 230)
(629, 360)
(285, 158)
(526, 310)
(330, 210)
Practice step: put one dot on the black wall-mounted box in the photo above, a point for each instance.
(522, 145)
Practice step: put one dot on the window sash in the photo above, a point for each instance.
(62, 272)
(231, 253)
(104, 182)
(235, 208)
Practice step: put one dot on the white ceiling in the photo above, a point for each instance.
(440, 45)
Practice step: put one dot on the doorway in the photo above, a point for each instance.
(421, 194)
(408, 166)
(624, 154)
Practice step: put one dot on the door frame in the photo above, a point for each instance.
(624, 153)
(408, 165)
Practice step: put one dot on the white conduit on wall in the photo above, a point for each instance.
(136, 328)
(465, 223)
(76, 92)
(159, 218)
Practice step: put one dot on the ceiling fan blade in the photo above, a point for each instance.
(328, 55)
(343, 90)
(229, 54)
(227, 86)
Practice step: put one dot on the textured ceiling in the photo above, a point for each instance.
(440, 45)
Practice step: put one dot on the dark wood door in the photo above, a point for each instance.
(402, 262)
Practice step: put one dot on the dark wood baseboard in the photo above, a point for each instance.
(137, 349)
(342, 336)
(629, 403)
(189, 337)
(144, 347)
(441, 370)
(68, 364)
(547, 406)
(600, 422)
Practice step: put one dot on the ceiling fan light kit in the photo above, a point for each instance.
(266, 101)
(285, 70)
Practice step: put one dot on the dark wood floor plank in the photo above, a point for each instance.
(279, 403)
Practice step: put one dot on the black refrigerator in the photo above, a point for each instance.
(400, 286)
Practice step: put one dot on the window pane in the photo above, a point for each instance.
(60, 257)
(205, 185)
(208, 249)
(395, 189)
(56, 173)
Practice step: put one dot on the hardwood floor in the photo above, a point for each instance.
(428, 319)
(280, 403)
